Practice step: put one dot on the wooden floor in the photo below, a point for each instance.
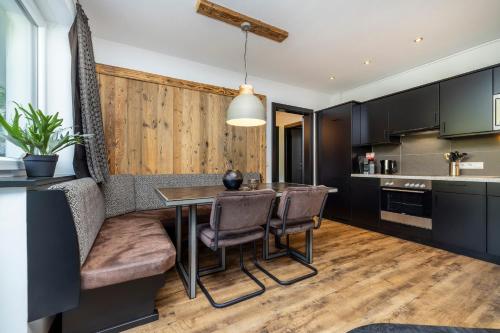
(364, 277)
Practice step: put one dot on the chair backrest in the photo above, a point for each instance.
(304, 202)
(242, 209)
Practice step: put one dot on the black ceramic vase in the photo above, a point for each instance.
(232, 179)
(40, 165)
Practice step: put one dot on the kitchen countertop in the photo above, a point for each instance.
(481, 179)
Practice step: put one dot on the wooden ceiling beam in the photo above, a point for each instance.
(220, 13)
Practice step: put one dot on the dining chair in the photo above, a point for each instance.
(237, 218)
(297, 210)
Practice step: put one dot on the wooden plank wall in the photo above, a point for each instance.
(158, 125)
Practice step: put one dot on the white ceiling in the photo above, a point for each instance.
(326, 37)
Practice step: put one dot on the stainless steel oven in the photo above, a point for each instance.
(407, 201)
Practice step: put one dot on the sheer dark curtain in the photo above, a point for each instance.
(90, 159)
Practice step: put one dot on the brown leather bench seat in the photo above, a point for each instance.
(127, 248)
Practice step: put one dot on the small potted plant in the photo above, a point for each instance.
(454, 158)
(40, 137)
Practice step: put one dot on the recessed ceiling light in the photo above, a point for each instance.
(418, 39)
(367, 62)
(332, 77)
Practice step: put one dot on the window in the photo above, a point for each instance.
(17, 63)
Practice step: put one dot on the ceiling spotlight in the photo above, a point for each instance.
(367, 62)
(332, 77)
(418, 39)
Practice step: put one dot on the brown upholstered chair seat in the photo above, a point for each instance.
(292, 227)
(127, 248)
(228, 238)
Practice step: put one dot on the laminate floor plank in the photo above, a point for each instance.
(364, 277)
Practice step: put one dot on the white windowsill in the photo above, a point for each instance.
(11, 164)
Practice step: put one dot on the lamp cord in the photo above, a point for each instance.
(245, 56)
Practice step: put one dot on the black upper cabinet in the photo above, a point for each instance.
(466, 104)
(415, 109)
(496, 80)
(376, 125)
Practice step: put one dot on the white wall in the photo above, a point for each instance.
(475, 58)
(112, 53)
(13, 260)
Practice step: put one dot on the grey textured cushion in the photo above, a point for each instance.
(119, 195)
(87, 207)
(145, 185)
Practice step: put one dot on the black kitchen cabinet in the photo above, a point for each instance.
(416, 109)
(496, 80)
(356, 125)
(459, 215)
(376, 115)
(365, 201)
(466, 104)
(493, 223)
(338, 205)
(334, 158)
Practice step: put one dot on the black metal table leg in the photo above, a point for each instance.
(187, 274)
(192, 252)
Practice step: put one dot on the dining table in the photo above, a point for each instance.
(191, 197)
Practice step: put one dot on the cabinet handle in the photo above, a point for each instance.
(444, 126)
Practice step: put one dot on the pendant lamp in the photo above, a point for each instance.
(246, 109)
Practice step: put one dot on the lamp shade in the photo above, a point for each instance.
(246, 109)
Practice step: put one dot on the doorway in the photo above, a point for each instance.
(292, 144)
(294, 153)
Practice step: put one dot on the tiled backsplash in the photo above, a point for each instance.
(422, 154)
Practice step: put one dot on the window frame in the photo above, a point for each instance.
(11, 165)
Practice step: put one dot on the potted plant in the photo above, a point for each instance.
(40, 137)
(454, 158)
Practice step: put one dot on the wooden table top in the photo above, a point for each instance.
(175, 196)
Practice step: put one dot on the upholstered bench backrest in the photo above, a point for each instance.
(145, 185)
(87, 207)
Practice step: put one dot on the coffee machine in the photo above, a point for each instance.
(388, 167)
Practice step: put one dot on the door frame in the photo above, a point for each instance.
(307, 141)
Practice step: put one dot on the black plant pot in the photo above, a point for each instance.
(40, 165)
(232, 179)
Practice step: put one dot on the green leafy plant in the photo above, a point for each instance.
(455, 156)
(41, 134)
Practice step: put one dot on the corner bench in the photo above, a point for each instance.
(123, 262)
(124, 249)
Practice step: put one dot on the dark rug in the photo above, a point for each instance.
(400, 328)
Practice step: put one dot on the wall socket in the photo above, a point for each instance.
(472, 165)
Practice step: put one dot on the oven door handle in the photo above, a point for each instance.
(401, 190)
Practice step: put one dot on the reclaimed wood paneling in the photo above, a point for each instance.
(154, 127)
